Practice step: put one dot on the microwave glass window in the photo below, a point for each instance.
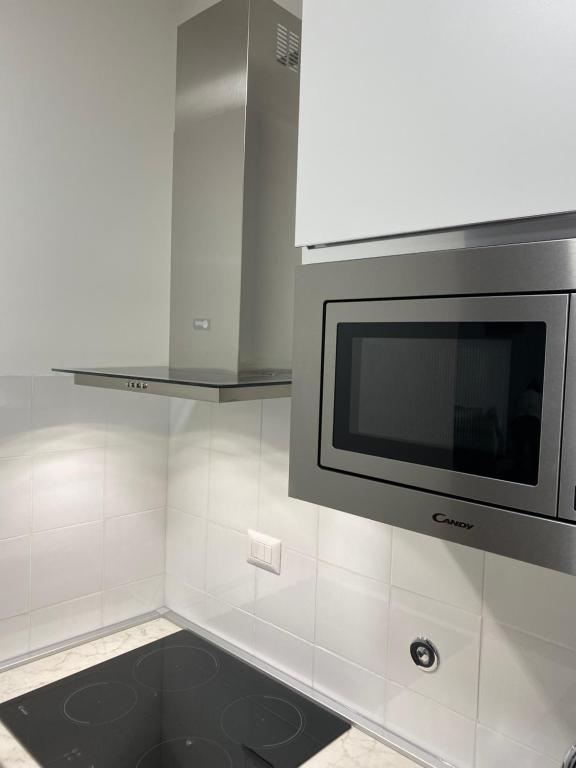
(458, 396)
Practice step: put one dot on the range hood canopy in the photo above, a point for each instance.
(233, 210)
(193, 384)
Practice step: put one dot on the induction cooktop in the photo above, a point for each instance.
(179, 702)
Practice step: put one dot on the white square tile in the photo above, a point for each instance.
(67, 417)
(438, 569)
(288, 600)
(65, 621)
(355, 543)
(456, 635)
(132, 416)
(229, 577)
(14, 576)
(236, 427)
(15, 415)
(14, 636)
(284, 651)
(131, 600)
(184, 600)
(190, 423)
(188, 471)
(531, 598)
(433, 727)
(229, 623)
(358, 689)
(15, 495)
(134, 547)
(276, 425)
(233, 497)
(352, 617)
(186, 547)
(495, 751)
(136, 477)
(527, 690)
(66, 563)
(293, 521)
(67, 488)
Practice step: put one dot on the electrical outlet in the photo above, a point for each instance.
(264, 551)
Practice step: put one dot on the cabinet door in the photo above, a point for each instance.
(418, 115)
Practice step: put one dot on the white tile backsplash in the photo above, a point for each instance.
(134, 599)
(67, 563)
(186, 548)
(284, 651)
(230, 623)
(456, 635)
(528, 690)
(189, 468)
(123, 560)
(229, 578)
(293, 521)
(135, 478)
(449, 573)
(351, 594)
(14, 576)
(432, 726)
(59, 622)
(15, 497)
(534, 599)
(190, 423)
(355, 543)
(288, 600)
(276, 426)
(352, 617)
(67, 417)
(495, 751)
(233, 490)
(357, 688)
(236, 428)
(68, 488)
(14, 636)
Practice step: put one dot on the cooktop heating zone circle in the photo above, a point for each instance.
(176, 668)
(100, 703)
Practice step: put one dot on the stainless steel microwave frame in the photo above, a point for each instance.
(520, 282)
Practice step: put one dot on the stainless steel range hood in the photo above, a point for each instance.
(234, 193)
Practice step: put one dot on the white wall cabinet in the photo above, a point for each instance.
(418, 115)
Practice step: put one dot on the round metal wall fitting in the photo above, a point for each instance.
(424, 654)
(570, 758)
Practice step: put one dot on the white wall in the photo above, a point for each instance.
(87, 91)
(353, 594)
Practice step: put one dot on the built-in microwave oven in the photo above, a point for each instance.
(436, 392)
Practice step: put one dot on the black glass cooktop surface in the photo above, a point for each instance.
(179, 702)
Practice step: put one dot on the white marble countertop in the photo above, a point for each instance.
(352, 750)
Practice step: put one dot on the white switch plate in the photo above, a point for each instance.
(264, 551)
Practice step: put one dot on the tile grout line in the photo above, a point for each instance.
(479, 666)
(258, 522)
(388, 630)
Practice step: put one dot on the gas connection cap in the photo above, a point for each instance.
(424, 654)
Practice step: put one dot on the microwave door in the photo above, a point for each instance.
(457, 396)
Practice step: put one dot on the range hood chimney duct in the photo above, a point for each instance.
(235, 149)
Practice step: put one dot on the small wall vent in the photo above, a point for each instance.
(287, 48)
